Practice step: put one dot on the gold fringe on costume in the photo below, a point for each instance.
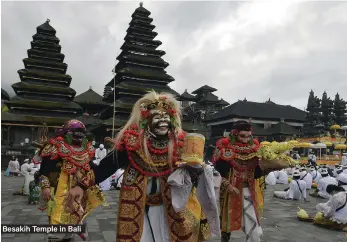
(59, 215)
(185, 226)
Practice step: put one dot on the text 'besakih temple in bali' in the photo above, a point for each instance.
(43, 99)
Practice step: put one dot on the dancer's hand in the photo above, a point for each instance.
(74, 195)
(46, 194)
(233, 190)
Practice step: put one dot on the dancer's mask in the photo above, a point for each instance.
(76, 129)
(158, 116)
(243, 131)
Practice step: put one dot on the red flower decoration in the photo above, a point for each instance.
(133, 126)
(181, 135)
(235, 132)
(180, 144)
(145, 114)
(163, 97)
(172, 112)
(225, 141)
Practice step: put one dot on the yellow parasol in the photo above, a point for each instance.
(327, 143)
(340, 147)
(304, 145)
(335, 126)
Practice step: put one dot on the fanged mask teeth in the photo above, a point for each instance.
(163, 125)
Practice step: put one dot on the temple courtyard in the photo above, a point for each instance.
(279, 221)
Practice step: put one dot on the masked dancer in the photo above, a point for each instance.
(236, 158)
(150, 145)
(66, 162)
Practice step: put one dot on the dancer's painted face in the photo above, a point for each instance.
(244, 136)
(77, 130)
(160, 124)
(77, 135)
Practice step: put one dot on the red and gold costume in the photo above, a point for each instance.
(238, 164)
(242, 163)
(63, 166)
(145, 170)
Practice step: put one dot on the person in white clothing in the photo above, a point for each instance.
(306, 177)
(344, 168)
(296, 156)
(336, 167)
(344, 159)
(118, 178)
(334, 211)
(322, 185)
(339, 171)
(282, 177)
(312, 159)
(271, 178)
(342, 180)
(100, 153)
(296, 191)
(290, 170)
(26, 171)
(316, 176)
(13, 166)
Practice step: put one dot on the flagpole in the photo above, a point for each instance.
(114, 99)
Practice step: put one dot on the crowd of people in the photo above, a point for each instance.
(326, 182)
(29, 170)
(167, 191)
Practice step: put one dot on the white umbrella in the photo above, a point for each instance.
(319, 146)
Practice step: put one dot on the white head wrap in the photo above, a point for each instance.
(324, 172)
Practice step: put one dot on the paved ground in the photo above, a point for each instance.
(279, 222)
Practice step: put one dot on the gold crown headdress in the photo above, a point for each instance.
(160, 103)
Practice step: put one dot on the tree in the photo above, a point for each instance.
(327, 106)
(339, 110)
(312, 123)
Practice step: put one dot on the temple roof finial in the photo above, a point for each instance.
(48, 20)
(141, 4)
(90, 87)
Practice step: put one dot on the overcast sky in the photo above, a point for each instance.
(258, 50)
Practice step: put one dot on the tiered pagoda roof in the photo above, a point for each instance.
(44, 88)
(222, 103)
(204, 95)
(90, 97)
(4, 95)
(186, 96)
(204, 88)
(140, 67)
